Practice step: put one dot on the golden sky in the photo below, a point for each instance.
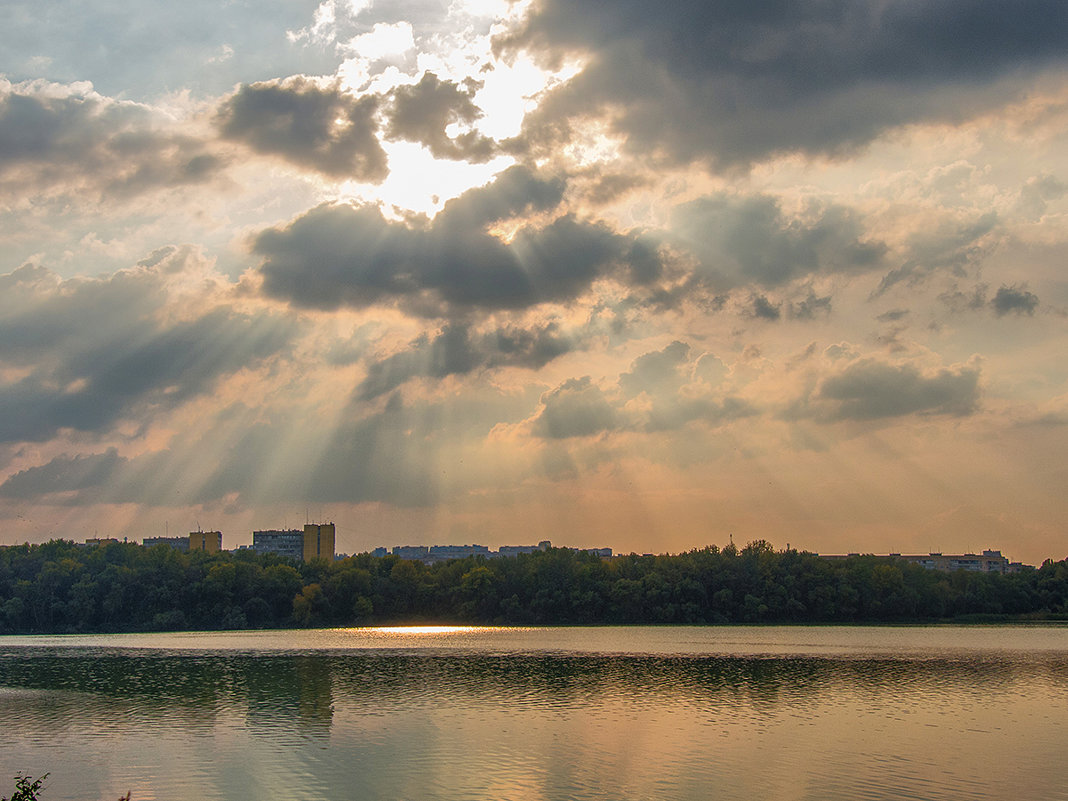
(646, 276)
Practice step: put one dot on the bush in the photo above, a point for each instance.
(26, 789)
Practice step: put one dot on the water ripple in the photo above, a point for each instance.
(187, 717)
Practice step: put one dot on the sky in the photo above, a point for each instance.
(649, 276)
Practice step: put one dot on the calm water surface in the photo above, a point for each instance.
(534, 714)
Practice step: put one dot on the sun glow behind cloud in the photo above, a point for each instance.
(420, 183)
(393, 55)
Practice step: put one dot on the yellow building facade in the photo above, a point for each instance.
(209, 541)
(100, 540)
(318, 541)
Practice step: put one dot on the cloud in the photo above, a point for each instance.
(869, 389)
(1015, 299)
(675, 388)
(515, 192)
(395, 455)
(959, 301)
(378, 458)
(577, 408)
(424, 111)
(457, 351)
(86, 353)
(811, 307)
(733, 83)
(314, 126)
(657, 370)
(385, 41)
(63, 474)
(72, 138)
(1037, 192)
(607, 187)
(763, 309)
(953, 245)
(893, 316)
(663, 391)
(337, 256)
(327, 18)
(749, 240)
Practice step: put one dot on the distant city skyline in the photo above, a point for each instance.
(646, 275)
(291, 542)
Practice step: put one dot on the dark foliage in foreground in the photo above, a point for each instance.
(27, 789)
(62, 587)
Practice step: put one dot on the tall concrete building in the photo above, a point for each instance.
(209, 541)
(318, 541)
(288, 542)
(178, 543)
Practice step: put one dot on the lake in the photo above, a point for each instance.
(539, 714)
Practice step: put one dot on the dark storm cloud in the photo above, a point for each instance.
(761, 308)
(93, 351)
(337, 256)
(869, 389)
(1014, 298)
(63, 474)
(457, 351)
(735, 81)
(750, 240)
(421, 113)
(316, 127)
(68, 136)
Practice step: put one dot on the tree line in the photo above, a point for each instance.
(61, 587)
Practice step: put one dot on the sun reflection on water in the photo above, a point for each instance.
(414, 631)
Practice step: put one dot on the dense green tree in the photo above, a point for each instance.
(62, 587)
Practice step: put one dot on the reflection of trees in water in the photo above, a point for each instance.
(760, 683)
(277, 689)
(282, 691)
(107, 688)
(192, 689)
(300, 690)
